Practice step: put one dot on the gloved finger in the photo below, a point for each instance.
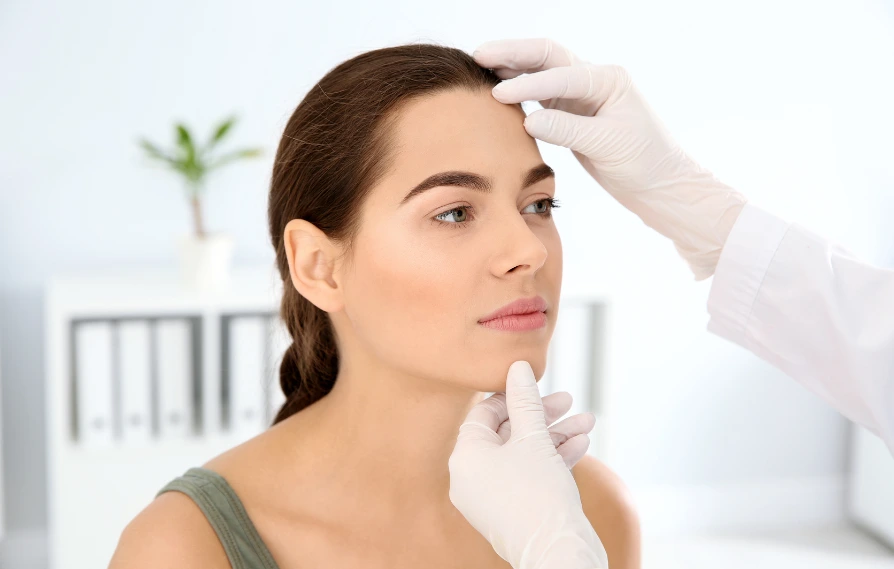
(524, 402)
(570, 427)
(558, 438)
(589, 136)
(574, 449)
(503, 430)
(484, 419)
(554, 406)
(473, 434)
(590, 83)
(506, 73)
(527, 55)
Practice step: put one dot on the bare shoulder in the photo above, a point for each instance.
(170, 532)
(609, 506)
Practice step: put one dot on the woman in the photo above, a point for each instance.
(407, 205)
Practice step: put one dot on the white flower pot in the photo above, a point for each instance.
(205, 263)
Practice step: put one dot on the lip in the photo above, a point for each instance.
(522, 306)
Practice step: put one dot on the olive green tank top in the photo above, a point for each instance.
(226, 514)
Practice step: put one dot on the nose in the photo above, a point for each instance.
(518, 250)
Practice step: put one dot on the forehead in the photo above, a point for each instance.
(461, 130)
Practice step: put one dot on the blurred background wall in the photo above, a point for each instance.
(790, 102)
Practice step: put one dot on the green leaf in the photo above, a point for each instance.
(222, 129)
(154, 152)
(184, 141)
(237, 155)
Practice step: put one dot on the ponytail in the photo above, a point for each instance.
(310, 365)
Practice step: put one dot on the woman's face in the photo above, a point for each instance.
(428, 265)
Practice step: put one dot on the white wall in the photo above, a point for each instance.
(790, 102)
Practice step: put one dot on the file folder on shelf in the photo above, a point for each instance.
(134, 372)
(174, 376)
(93, 379)
(246, 374)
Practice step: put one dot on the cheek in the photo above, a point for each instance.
(408, 301)
(553, 244)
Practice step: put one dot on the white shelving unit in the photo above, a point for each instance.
(99, 475)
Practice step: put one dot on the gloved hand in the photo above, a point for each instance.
(515, 487)
(597, 112)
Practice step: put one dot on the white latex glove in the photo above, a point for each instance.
(515, 487)
(554, 406)
(597, 112)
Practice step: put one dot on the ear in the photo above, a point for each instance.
(312, 264)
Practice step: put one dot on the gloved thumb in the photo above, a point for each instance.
(524, 404)
(562, 129)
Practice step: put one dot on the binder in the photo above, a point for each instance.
(134, 372)
(173, 364)
(93, 383)
(247, 375)
(278, 341)
(212, 342)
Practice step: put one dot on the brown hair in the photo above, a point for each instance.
(334, 149)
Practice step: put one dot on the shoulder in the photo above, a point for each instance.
(609, 506)
(170, 532)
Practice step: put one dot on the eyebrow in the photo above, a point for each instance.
(475, 181)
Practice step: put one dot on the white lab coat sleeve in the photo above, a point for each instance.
(811, 309)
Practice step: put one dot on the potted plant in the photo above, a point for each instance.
(205, 257)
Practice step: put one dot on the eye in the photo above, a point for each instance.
(543, 207)
(459, 214)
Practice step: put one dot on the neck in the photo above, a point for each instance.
(383, 439)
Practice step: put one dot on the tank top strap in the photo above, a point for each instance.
(226, 514)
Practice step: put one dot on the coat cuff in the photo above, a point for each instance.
(743, 264)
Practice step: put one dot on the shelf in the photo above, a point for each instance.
(154, 349)
(160, 289)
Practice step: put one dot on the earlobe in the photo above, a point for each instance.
(311, 257)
